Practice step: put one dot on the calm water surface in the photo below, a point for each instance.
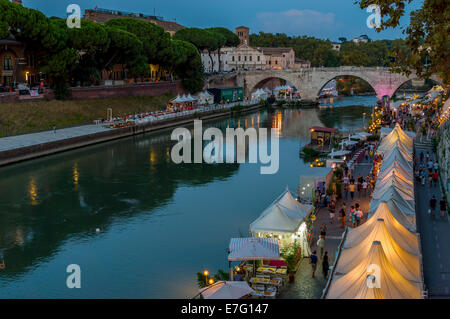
(160, 222)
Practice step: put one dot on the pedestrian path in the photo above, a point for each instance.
(305, 286)
(435, 239)
(19, 141)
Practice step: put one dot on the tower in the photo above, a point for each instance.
(244, 35)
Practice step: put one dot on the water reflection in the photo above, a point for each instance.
(155, 217)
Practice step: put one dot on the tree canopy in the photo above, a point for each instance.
(427, 38)
(80, 54)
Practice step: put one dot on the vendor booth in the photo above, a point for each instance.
(284, 219)
(259, 95)
(205, 98)
(312, 179)
(182, 103)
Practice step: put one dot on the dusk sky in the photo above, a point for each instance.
(327, 19)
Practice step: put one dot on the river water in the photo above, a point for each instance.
(160, 223)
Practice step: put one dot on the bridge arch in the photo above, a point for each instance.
(252, 83)
(322, 85)
(435, 79)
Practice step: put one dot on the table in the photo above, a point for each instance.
(275, 282)
(256, 280)
(267, 270)
(269, 294)
(258, 293)
(282, 271)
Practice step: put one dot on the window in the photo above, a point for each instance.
(239, 58)
(250, 58)
(259, 58)
(245, 58)
(276, 61)
(232, 58)
(7, 63)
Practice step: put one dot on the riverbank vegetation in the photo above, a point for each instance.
(80, 55)
(31, 117)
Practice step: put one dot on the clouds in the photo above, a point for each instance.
(294, 22)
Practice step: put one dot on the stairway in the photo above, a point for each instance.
(425, 144)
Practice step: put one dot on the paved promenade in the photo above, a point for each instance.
(19, 141)
(304, 286)
(435, 238)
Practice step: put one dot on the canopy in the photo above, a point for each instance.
(226, 290)
(357, 137)
(284, 215)
(396, 136)
(405, 206)
(391, 184)
(348, 142)
(339, 153)
(365, 134)
(354, 283)
(394, 167)
(253, 248)
(397, 155)
(393, 211)
(178, 99)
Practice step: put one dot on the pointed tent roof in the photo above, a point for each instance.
(396, 136)
(284, 215)
(356, 248)
(387, 169)
(396, 155)
(392, 182)
(177, 99)
(407, 221)
(354, 284)
(405, 206)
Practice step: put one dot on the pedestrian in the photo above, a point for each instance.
(366, 154)
(323, 231)
(332, 210)
(352, 190)
(421, 156)
(430, 166)
(436, 166)
(423, 177)
(313, 262)
(364, 187)
(342, 213)
(353, 216)
(359, 214)
(54, 128)
(321, 246)
(427, 156)
(432, 206)
(325, 265)
(430, 178)
(435, 178)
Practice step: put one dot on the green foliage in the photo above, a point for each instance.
(309, 154)
(427, 46)
(290, 256)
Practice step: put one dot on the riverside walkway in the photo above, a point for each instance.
(435, 238)
(304, 286)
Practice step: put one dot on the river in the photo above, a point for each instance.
(160, 223)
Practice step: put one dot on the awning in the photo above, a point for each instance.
(254, 248)
(226, 290)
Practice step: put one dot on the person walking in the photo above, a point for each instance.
(323, 231)
(353, 216)
(436, 166)
(321, 246)
(332, 211)
(342, 213)
(432, 206)
(351, 188)
(325, 265)
(435, 178)
(364, 187)
(313, 262)
(443, 206)
(359, 214)
(430, 177)
(54, 128)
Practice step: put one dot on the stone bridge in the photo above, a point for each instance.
(309, 82)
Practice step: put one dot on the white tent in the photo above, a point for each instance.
(374, 277)
(205, 97)
(178, 99)
(253, 248)
(396, 168)
(389, 184)
(405, 206)
(397, 136)
(284, 217)
(396, 174)
(357, 247)
(397, 155)
(259, 94)
(394, 212)
(384, 131)
(226, 290)
(338, 153)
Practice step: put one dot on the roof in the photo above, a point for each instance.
(254, 248)
(323, 129)
(275, 51)
(242, 27)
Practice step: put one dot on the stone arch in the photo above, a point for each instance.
(323, 84)
(434, 78)
(252, 80)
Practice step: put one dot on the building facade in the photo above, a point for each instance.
(279, 58)
(104, 15)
